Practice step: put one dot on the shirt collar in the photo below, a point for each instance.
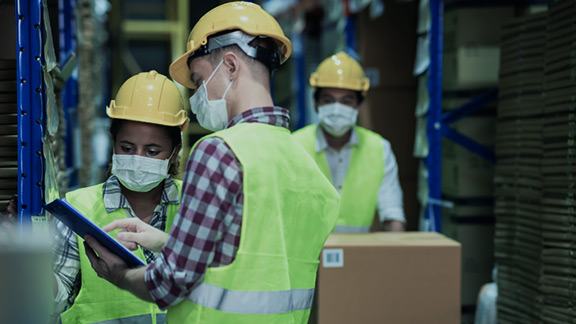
(275, 116)
(322, 143)
(114, 199)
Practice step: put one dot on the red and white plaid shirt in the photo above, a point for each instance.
(206, 231)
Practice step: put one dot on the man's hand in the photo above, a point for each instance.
(135, 232)
(394, 226)
(106, 264)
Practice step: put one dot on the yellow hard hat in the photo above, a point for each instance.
(247, 17)
(340, 71)
(149, 97)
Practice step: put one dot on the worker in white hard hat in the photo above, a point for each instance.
(256, 210)
(147, 120)
(359, 162)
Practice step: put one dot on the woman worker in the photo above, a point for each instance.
(148, 117)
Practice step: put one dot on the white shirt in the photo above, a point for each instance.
(390, 204)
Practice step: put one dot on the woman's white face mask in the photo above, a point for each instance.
(336, 119)
(139, 173)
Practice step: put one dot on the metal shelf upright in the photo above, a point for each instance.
(434, 158)
(30, 101)
(67, 38)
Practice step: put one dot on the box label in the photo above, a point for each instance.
(333, 258)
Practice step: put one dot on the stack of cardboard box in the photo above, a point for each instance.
(471, 67)
(559, 166)
(518, 177)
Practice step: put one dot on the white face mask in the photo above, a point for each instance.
(336, 119)
(139, 173)
(211, 114)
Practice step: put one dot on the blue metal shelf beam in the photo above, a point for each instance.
(30, 102)
(463, 111)
(469, 143)
(470, 107)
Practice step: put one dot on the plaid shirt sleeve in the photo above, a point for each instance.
(65, 263)
(206, 231)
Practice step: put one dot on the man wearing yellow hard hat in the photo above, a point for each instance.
(359, 162)
(256, 210)
(147, 119)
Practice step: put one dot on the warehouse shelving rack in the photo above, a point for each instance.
(438, 123)
(31, 105)
(31, 38)
(31, 99)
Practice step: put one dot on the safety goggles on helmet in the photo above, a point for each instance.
(269, 57)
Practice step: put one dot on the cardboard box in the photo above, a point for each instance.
(468, 68)
(411, 277)
(467, 27)
(471, 46)
(464, 173)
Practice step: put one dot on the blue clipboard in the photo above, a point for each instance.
(81, 225)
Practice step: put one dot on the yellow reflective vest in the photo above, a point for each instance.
(99, 301)
(290, 208)
(359, 194)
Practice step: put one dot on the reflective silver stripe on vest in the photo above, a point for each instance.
(351, 229)
(252, 302)
(139, 319)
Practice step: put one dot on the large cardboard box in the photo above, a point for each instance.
(411, 277)
(471, 68)
(471, 46)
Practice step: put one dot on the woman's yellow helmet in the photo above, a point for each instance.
(149, 97)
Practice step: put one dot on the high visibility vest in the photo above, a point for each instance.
(290, 208)
(99, 301)
(359, 194)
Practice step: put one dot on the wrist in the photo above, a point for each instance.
(120, 278)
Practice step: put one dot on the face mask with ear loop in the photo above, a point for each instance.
(139, 173)
(211, 114)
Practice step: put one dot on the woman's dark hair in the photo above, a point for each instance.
(173, 133)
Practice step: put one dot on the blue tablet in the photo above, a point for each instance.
(81, 225)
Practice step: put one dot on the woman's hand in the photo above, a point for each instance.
(135, 232)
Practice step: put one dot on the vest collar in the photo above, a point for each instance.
(322, 143)
(113, 198)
